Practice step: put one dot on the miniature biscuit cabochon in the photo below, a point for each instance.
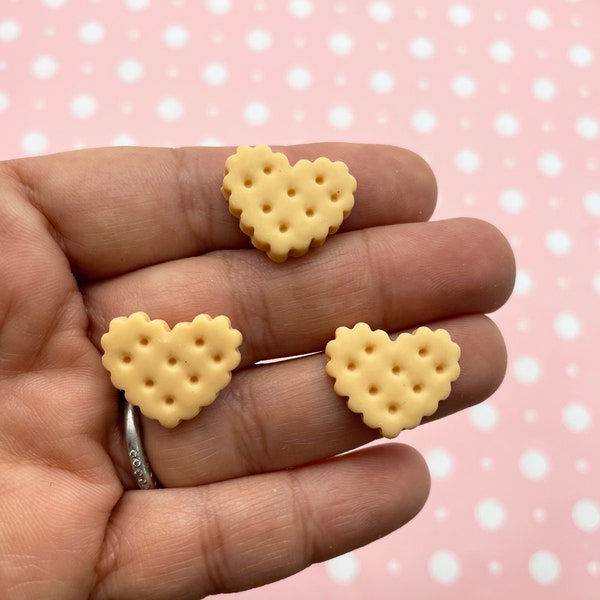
(284, 208)
(392, 383)
(171, 374)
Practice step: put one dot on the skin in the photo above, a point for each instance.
(262, 483)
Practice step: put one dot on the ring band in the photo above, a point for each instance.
(135, 450)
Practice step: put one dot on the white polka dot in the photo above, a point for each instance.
(567, 326)
(558, 242)
(460, 15)
(586, 515)
(576, 417)
(91, 33)
(444, 567)
(137, 5)
(381, 12)
(596, 283)
(495, 567)
(593, 568)
(424, 121)
(301, 9)
(538, 19)
(483, 416)
(582, 465)
(175, 36)
(550, 164)
(507, 125)
(464, 86)
(256, 113)
(215, 73)
(591, 202)
(512, 201)
(34, 143)
(10, 30)
(523, 283)
(343, 569)
(170, 109)
(544, 567)
(83, 106)
(44, 67)
(54, 3)
(539, 515)
(527, 370)
(259, 40)
(124, 139)
(299, 78)
(218, 7)
(440, 463)
(4, 102)
(341, 117)
(130, 70)
(382, 82)
(534, 464)
(393, 567)
(467, 161)
(213, 142)
(502, 52)
(581, 55)
(422, 48)
(544, 89)
(587, 128)
(341, 43)
(490, 514)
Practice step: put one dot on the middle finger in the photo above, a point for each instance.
(392, 277)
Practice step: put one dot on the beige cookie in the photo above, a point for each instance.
(170, 374)
(393, 384)
(286, 209)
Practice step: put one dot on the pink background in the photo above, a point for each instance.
(503, 99)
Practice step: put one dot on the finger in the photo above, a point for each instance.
(247, 532)
(120, 209)
(280, 415)
(391, 277)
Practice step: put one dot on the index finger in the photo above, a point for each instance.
(115, 210)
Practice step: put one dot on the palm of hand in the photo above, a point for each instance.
(253, 493)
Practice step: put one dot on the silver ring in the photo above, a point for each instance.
(135, 450)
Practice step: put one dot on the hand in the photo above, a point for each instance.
(254, 487)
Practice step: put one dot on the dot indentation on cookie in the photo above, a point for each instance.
(396, 382)
(311, 198)
(171, 374)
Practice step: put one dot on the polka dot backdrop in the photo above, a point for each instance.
(503, 99)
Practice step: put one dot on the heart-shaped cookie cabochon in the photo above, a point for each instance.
(171, 374)
(286, 209)
(393, 384)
